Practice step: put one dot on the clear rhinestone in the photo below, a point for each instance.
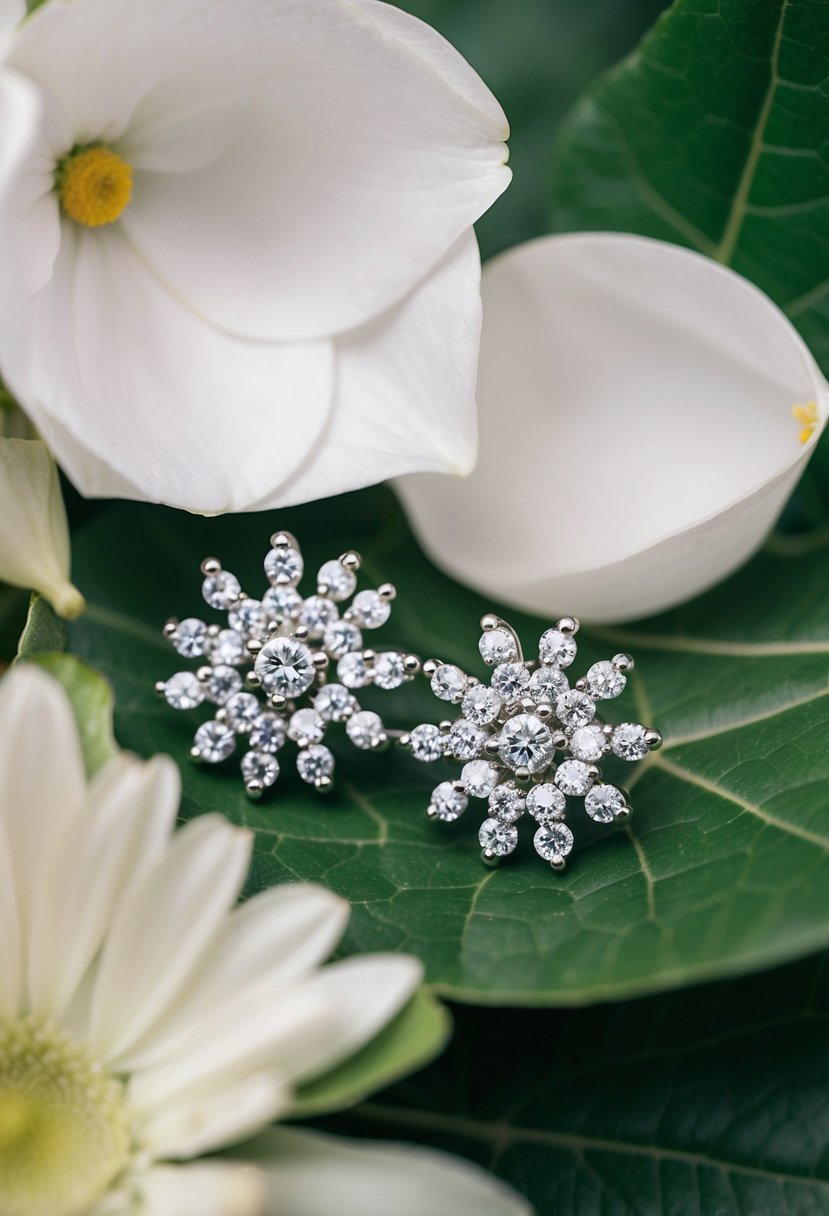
(427, 742)
(183, 691)
(573, 777)
(546, 802)
(222, 683)
(334, 703)
(497, 646)
(506, 803)
(215, 741)
(248, 617)
(557, 647)
(366, 729)
(605, 681)
(315, 764)
(370, 610)
(553, 841)
(260, 766)
(317, 614)
(389, 670)
(306, 726)
(510, 681)
(465, 740)
(282, 602)
(447, 802)
(267, 734)
(353, 671)
(339, 582)
(284, 566)
(481, 705)
(497, 837)
(604, 802)
(242, 710)
(588, 742)
(575, 708)
(449, 682)
(221, 590)
(190, 638)
(479, 778)
(342, 637)
(628, 741)
(285, 667)
(228, 647)
(547, 684)
(525, 742)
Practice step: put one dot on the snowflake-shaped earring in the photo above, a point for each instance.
(266, 671)
(511, 732)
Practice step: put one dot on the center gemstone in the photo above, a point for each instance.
(285, 667)
(526, 742)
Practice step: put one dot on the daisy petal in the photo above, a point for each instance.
(210, 1188)
(206, 1123)
(9, 934)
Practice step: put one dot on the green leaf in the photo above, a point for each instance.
(91, 697)
(413, 1039)
(44, 630)
(714, 1101)
(723, 868)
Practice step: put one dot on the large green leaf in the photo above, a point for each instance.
(713, 1102)
(725, 864)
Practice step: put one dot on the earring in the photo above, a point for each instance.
(529, 739)
(266, 670)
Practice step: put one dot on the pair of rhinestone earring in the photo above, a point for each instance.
(287, 667)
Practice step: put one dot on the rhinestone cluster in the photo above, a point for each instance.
(265, 671)
(529, 739)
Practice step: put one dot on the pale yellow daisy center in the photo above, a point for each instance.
(94, 185)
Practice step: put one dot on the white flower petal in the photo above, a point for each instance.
(636, 431)
(309, 1174)
(10, 970)
(161, 929)
(209, 1188)
(204, 1124)
(34, 534)
(405, 398)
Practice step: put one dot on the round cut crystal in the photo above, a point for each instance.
(248, 617)
(498, 838)
(342, 637)
(267, 733)
(306, 726)
(557, 648)
(628, 741)
(588, 742)
(353, 670)
(242, 710)
(338, 582)
(215, 741)
(221, 590)
(228, 647)
(317, 614)
(285, 667)
(282, 602)
(506, 803)
(427, 742)
(366, 730)
(370, 610)
(545, 802)
(605, 681)
(573, 777)
(481, 705)
(334, 703)
(497, 646)
(575, 708)
(510, 681)
(389, 670)
(261, 767)
(465, 740)
(315, 764)
(449, 682)
(222, 683)
(447, 802)
(183, 691)
(526, 742)
(553, 841)
(547, 684)
(284, 566)
(604, 802)
(190, 638)
(479, 778)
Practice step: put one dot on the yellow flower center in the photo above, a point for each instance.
(807, 416)
(94, 185)
(64, 1125)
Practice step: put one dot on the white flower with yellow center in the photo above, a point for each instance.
(238, 265)
(145, 1021)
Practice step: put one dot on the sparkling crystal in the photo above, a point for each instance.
(604, 802)
(334, 703)
(267, 733)
(588, 742)
(389, 670)
(282, 602)
(262, 767)
(370, 610)
(497, 646)
(506, 803)
(315, 764)
(190, 638)
(465, 740)
(427, 742)
(447, 802)
(222, 683)
(221, 590)
(545, 802)
(481, 705)
(248, 617)
(573, 777)
(215, 741)
(605, 681)
(284, 566)
(353, 671)
(228, 647)
(317, 613)
(526, 742)
(557, 647)
(306, 726)
(479, 778)
(510, 681)
(449, 682)
(553, 841)
(497, 837)
(365, 729)
(183, 691)
(285, 667)
(339, 582)
(575, 708)
(242, 710)
(342, 637)
(547, 684)
(628, 741)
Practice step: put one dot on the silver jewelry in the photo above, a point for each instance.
(266, 669)
(529, 739)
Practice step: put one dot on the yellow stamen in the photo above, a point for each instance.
(94, 185)
(807, 416)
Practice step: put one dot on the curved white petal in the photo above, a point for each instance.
(10, 943)
(12, 13)
(405, 397)
(208, 1188)
(636, 431)
(34, 534)
(309, 1173)
(206, 1123)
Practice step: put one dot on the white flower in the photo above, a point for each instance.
(644, 415)
(236, 238)
(34, 536)
(143, 1020)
